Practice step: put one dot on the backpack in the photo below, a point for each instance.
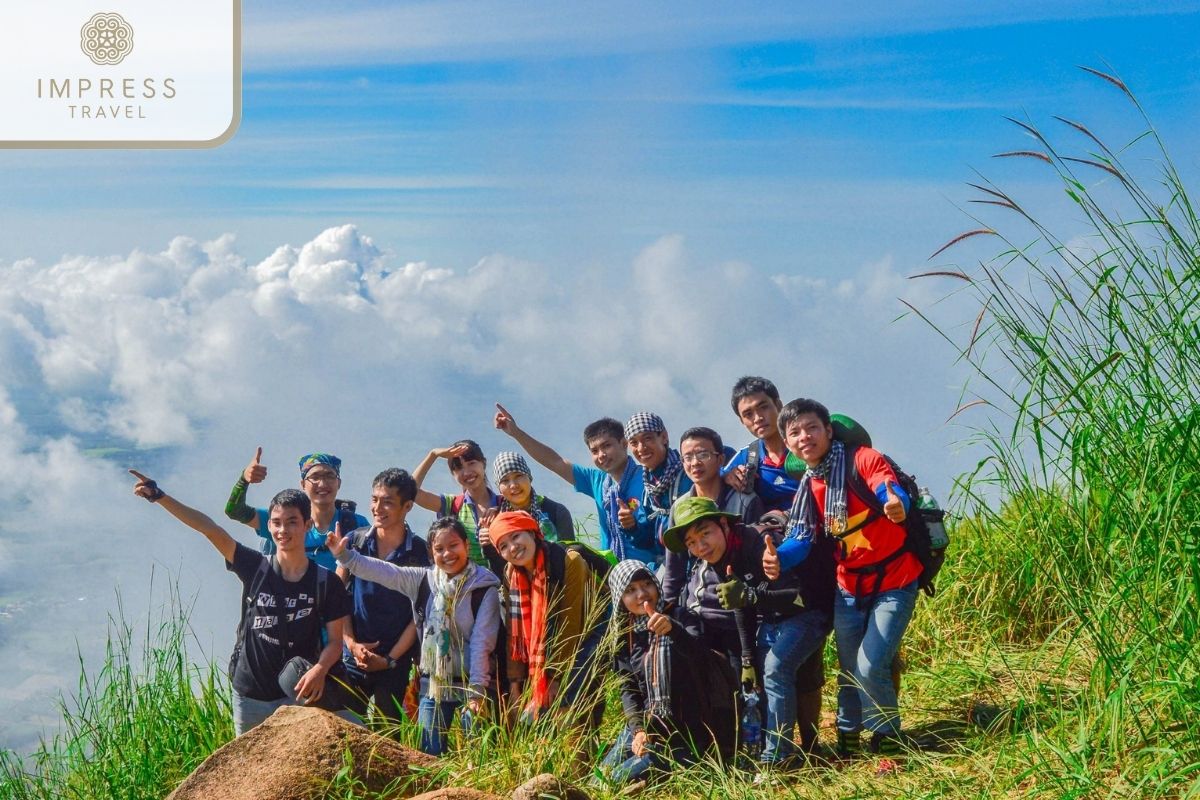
(917, 524)
(256, 584)
(597, 562)
(499, 657)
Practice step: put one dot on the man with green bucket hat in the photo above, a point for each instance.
(782, 622)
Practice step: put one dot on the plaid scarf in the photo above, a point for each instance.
(658, 489)
(610, 499)
(804, 518)
(656, 666)
(441, 632)
(528, 608)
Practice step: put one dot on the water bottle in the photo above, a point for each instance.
(751, 726)
(467, 720)
(933, 514)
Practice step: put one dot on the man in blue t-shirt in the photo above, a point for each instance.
(320, 479)
(615, 484)
(756, 402)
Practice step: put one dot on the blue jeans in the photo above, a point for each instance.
(434, 719)
(782, 647)
(250, 713)
(622, 766)
(867, 640)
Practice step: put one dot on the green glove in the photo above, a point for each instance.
(733, 593)
(749, 676)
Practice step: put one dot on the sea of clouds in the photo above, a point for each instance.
(180, 363)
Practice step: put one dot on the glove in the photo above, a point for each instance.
(734, 594)
(749, 677)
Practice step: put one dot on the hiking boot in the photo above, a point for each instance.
(849, 745)
(888, 744)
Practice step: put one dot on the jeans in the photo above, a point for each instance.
(434, 719)
(622, 766)
(782, 647)
(250, 713)
(868, 636)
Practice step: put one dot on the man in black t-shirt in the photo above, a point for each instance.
(286, 599)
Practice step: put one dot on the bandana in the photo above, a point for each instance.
(441, 633)
(803, 516)
(644, 422)
(313, 459)
(656, 666)
(508, 462)
(610, 499)
(528, 608)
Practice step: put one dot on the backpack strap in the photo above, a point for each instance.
(420, 601)
(856, 484)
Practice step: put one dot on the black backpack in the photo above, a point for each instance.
(916, 526)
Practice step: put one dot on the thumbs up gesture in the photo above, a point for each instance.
(337, 544)
(733, 593)
(658, 623)
(504, 421)
(255, 472)
(893, 508)
(770, 561)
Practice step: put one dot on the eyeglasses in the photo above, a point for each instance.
(702, 457)
(321, 477)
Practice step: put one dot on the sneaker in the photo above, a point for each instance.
(849, 745)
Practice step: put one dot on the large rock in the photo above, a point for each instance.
(548, 787)
(295, 754)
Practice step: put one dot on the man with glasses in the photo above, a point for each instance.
(702, 453)
(320, 479)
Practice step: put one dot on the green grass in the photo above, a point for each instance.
(1061, 656)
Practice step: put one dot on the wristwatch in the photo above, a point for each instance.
(391, 662)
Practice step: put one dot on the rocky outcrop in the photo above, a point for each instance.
(295, 755)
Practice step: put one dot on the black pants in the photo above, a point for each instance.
(386, 687)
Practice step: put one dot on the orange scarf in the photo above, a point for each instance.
(529, 605)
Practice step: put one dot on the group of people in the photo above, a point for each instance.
(718, 578)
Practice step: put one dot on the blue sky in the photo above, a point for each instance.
(456, 130)
(432, 207)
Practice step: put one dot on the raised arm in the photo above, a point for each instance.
(196, 520)
(541, 453)
(236, 508)
(428, 500)
(406, 580)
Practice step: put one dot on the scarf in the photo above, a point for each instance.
(610, 499)
(804, 519)
(656, 666)
(549, 532)
(658, 490)
(441, 633)
(528, 608)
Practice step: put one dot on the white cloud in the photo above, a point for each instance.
(191, 357)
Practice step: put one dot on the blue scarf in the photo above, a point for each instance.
(610, 498)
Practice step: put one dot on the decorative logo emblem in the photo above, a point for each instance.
(106, 38)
